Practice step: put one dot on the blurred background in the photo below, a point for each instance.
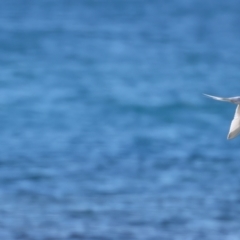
(104, 131)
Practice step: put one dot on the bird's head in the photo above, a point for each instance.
(235, 100)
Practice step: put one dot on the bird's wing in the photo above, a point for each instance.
(235, 124)
(218, 98)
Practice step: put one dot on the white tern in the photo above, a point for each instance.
(235, 124)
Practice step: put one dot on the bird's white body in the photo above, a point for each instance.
(235, 124)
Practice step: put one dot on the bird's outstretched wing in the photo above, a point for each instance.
(219, 98)
(235, 124)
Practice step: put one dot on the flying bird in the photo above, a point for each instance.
(235, 124)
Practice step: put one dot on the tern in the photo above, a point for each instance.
(235, 124)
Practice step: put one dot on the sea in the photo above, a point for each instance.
(105, 133)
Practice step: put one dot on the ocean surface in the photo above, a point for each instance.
(104, 131)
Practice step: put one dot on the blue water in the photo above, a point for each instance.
(104, 131)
